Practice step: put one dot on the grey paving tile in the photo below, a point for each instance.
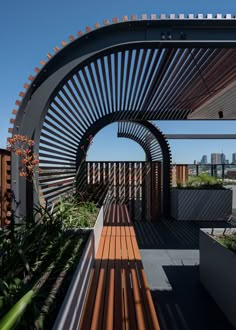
(183, 253)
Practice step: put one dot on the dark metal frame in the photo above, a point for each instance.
(131, 37)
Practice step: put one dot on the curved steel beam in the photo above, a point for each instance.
(123, 71)
(157, 135)
(138, 133)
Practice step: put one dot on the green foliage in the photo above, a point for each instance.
(34, 254)
(203, 181)
(13, 316)
(75, 214)
(229, 241)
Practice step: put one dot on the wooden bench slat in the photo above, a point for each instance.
(96, 323)
(106, 220)
(129, 319)
(109, 230)
(138, 300)
(145, 291)
(148, 302)
(92, 288)
(108, 311)
(104, 231)
(113, 231)
(122, 231)
(119, 296)
(118, 286)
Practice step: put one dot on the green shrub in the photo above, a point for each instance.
(203, 181)
(229, 241)
(76, 214)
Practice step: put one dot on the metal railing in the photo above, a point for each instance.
(182, 172)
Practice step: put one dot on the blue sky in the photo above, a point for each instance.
(30, 29)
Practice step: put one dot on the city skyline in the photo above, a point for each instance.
(217, 158)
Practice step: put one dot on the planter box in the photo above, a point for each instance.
(209, 205)
(218, 271)
(71, 309)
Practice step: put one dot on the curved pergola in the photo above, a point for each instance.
(156, 147)
(140, 134)
(144, 69)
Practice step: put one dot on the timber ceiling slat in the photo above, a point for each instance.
(195, 91)
(165, 82)
(160, 74)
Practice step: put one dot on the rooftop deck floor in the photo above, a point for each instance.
(170, 255)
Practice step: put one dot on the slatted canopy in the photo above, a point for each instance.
(156, 147)
(140, 134)
(148, 69)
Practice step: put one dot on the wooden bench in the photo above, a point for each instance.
(118, 295)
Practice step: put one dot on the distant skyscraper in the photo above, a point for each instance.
(204, 159)
(216, 158)
(222, 158)
(234, 158)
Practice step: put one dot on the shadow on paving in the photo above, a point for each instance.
(170, 234)
(170, 255)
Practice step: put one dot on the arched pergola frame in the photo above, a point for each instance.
(136, 34)
(143, 133)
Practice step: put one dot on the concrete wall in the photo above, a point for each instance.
(71, 309)
(218, 272)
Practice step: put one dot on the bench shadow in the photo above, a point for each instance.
(171, 234)
(187, 306)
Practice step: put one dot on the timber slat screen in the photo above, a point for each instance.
(5, 185)
(136, 184)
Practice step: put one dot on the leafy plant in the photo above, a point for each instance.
(203, 181)
(39, 255)
(229, 241)
(75, 214)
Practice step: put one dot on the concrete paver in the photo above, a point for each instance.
(171, 263)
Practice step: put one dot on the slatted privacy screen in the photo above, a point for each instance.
(137, 184)
(180, 174)
(5, 186)
(165, 83)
